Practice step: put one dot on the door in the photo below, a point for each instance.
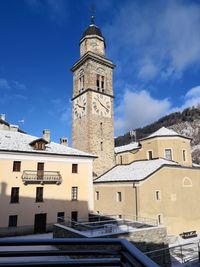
(40, 223)
(40, 170)
(74, 216)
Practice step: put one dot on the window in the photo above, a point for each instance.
(168, 153)
(74, 193)
(74, 168)
(97, 195)
(160, 219)
(101, 128)
(39, 194)
(101, 146)
(119, 196)
(121, 160)
(16, 166)
(74, 216)
(39, 146)
(40, 170)
(158, 195)
(14, 195)
(12, 221)
(184, 155)
(98, 82)
(60, 216)
(81, 81)
(120, 216)
(150, 154)
(102, 83)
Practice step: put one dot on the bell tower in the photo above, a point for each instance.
(92, 108)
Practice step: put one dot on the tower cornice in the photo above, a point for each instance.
(92, 90)
(94, 57)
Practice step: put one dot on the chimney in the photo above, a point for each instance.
(14, 128)
(46, 135)
(64, 141)
(2, 117)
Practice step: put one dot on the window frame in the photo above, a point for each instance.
(160, 218)
(12, 220)
(74, 167)
(148, 154)
(39, 194)
(14, 196)
(119, 196)
(60, 216)
(169, 149)
(74, 193)
(16, 166)
(158, 195)
(184, 155)
(97, 195)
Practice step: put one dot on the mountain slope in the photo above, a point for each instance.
(186, 122)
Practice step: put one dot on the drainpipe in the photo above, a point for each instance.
(136, 201)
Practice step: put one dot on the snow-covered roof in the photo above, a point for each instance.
(135, 171)
(20, 142)
(128, 147)
(164, 132)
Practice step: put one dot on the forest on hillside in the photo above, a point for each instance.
(187, 115)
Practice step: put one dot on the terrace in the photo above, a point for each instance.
(99, 226)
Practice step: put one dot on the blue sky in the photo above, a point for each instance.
(155, 45)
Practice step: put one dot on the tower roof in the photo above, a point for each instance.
(92, 29)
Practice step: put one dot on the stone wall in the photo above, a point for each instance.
(146, 239)
(86, 131)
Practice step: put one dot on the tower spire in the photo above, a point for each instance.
(92, 12)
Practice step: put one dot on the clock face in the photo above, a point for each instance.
(80, 106)
(101, 105)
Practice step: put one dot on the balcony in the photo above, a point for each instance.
(41, 177)
(72, 252)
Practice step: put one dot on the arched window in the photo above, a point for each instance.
(81, 81)
(100, 80)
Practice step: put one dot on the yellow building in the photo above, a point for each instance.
(41, 181)
(155, 179)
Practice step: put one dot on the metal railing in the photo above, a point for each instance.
(42, 177)
(179, 255)
(106, 227)
(72, 252)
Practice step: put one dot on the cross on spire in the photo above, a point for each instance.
(92, 12)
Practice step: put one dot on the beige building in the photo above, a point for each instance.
(92, 114)
(154, 178)
(41, 181)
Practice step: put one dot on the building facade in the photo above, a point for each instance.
(154, 179)
(92, 109)
(40, 182)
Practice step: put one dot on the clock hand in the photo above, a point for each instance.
(80, 106)
(101, 104)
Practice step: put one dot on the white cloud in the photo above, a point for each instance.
(137, 109)
(19, 85)
(147, 70)
(192, 98)
(4, 84)
(168, 32)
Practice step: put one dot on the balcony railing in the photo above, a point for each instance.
(41, 177)
(73, 252)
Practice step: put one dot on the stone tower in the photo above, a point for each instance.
(92, 114)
